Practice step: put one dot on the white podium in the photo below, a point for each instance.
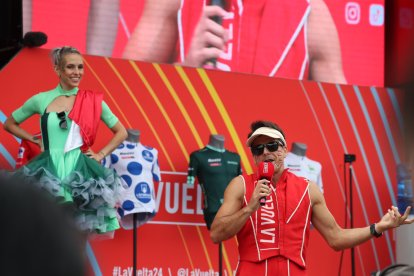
(405, 243)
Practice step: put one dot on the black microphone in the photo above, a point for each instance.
(221, 3)
(34, 39)
(266, 171)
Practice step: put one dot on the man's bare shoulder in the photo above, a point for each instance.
(315, 193)
(236, 187)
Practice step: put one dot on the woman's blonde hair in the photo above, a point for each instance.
(58, 53)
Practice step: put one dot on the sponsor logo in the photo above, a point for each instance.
(266, 167)
(127, 153)
(376, 15)
(232, 163)
(211, 160)
(147, 155)
(352, 13)
(143, 192)
(127, 157)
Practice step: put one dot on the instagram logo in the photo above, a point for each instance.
(352, 13)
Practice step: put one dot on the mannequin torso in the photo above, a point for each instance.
(133, 135)
(216, 141)
(299, 148)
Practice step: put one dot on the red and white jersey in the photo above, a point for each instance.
(303, 166)
(281, 226)
(265, 37)
(27, 151)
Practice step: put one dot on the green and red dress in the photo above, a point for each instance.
(63, 170)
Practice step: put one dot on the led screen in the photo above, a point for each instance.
(334, 41)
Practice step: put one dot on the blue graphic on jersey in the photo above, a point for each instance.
(127, 179)
(130, 146)
(134, 168)
(147, 155)
(121, 146)
(103, 162)
(128, 205)
(148, 147)
(114, 158)
(143, 192)
(155, 177)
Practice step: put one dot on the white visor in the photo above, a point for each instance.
(266, 131)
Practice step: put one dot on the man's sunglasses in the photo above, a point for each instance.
(258, 150)
(63, 124)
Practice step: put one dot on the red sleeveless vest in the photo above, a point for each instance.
(280, 227)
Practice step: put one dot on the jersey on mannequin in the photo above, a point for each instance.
(299, 164)
(214, 167)
(138, 167)
(28, 150)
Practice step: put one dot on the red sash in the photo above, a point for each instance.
(86, 113)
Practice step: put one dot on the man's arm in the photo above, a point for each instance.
(209, 38)
(339, 238)
(324, 46)
(120, 134)
(102, 27)
(155, 36)
(231, 217)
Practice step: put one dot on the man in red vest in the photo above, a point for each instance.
(273, 237)
(278, 38)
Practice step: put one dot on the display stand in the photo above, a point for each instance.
(134, 245)
(220, 259)
(349, 158)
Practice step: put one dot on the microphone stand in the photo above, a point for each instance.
(349, 158)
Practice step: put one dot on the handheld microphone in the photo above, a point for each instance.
(266, 171)
(221, 4)
(211, 63)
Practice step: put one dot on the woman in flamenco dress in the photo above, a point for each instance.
(68, 168)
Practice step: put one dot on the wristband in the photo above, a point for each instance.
(103, 154)
(373, 231)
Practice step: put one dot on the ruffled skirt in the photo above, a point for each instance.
(93, 189)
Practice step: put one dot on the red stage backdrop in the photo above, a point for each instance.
(176, 109)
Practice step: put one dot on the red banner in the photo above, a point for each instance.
(176, 109)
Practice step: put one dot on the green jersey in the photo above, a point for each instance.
(214, 169)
